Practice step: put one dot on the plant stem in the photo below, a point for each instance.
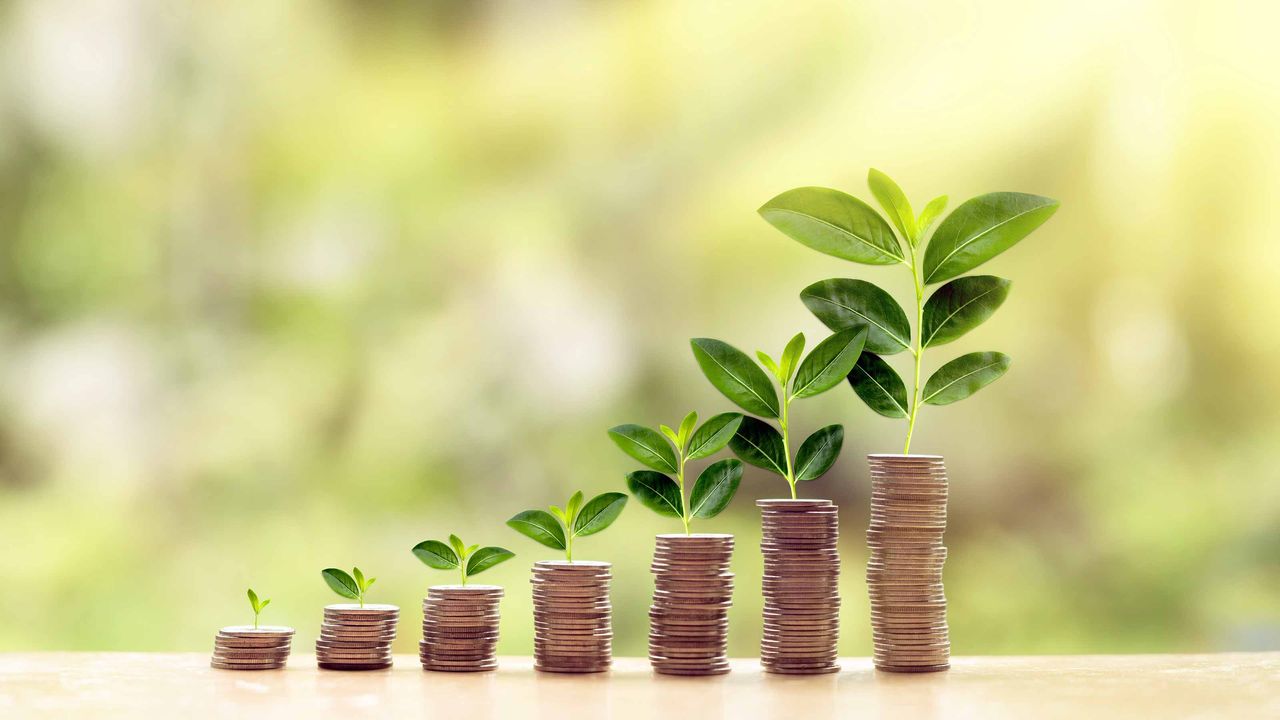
(568, 544)
(684, 504)
(462, 568)
(786, 440)
(255, 621)
(917, 351)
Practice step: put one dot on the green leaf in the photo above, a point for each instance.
(964, 376)
(458, 546)
(540, 526)
(359, 577)
(253, 601)
(879, 386)
(470, 549)
(894, 202)
(571, 508)
(819, 452)
(829, 363)
(657, 492)
(714, 434)
(715, 488)
(555, 510)
(734, 375)
(671, 435)
(487, 557)
(264, 604)
(791, 357)
(931, 213)
(843, 303)
(834, 223)
(760, 444)
(686, 427)
(645, 445)
(770, 365)
(436, 554)
(961, 305)
(980, 229)
(341, 583)
(599, 513)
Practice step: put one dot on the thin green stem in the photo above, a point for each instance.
(916, 350)
(568, 543)
(462, 568)
(786, 439)
(684, 504)
(255, 620)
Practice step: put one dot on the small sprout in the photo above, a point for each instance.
(258, 606)
(351, 586)
(558, 528)
(466, 559)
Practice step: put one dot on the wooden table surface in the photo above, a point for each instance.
(182, 685)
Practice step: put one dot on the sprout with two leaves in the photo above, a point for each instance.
(257, 605)
(558, 528)
(843, 226)
(351, 586)
(468, 560)
(741, 380)
(657, 490)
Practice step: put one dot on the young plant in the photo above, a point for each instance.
(558, 528)
(351, 586)
(667, 456)
(757, 442)
(257, 605)
(466, 559)
(843, 226)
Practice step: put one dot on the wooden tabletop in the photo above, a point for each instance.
(1238, 685)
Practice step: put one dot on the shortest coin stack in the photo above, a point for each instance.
(460, 628)
(689, 618)
(244, 647)
(572, 617)
(357, 638)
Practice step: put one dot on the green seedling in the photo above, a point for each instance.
(843, 226)
(741, 380)
(351, 586)
(468, 560)
(558, 528)
(257, 605)
(666, 451)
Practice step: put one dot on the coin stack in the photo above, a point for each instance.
(904, 572)
(572, 618)
(460, 628)
(801, 586)
(244, 647)
(357, 638)
(689, 618)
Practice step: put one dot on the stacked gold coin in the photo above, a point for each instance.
(904, 572)
(801, 586)
(572, 617)
(689, 618)
(357, 638)
(244, 647)
(460, 628)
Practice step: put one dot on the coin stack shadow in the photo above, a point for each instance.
(801, 586)
(689, 618)
(357, 638)
(460, 628)
(904, 571)
(244, 647)
(572, 617)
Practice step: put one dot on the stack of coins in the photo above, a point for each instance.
(460, 628)
(689, 618)
(357, 638)
(801, 586)
(572, 618)
(244, 647)
(904, 572)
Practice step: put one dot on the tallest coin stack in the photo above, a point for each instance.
(801, 586)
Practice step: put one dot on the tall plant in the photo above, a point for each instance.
(843, 226)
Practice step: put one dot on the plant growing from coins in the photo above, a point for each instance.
(468, 560)
(741, 380)
(667, 451)
(351, 586)
(558, 529)
(257, 606)
(843, 226)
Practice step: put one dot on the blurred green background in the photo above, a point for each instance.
(295, 284)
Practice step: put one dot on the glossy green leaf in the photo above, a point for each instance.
(340, 582)
(572, 507)
(715, 488)
(829, 363)
(894, 202)
(760, 444)
(264, 604)
(672, 435)
(843, 303)
(964, 376)
(458, 546)
(734, 375)
(980, 229)
(657, 492)
(436, 554)
(714, 434)
(686, 428)
(359, 578)
(770, 365)
(645, 445)
(818, 452)
(961, 305)
(253, 601)
(834, 223)
(879, 386)
(487, 557)
(599, 513)
(930, 214)
(790, 357)
(540, 526)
